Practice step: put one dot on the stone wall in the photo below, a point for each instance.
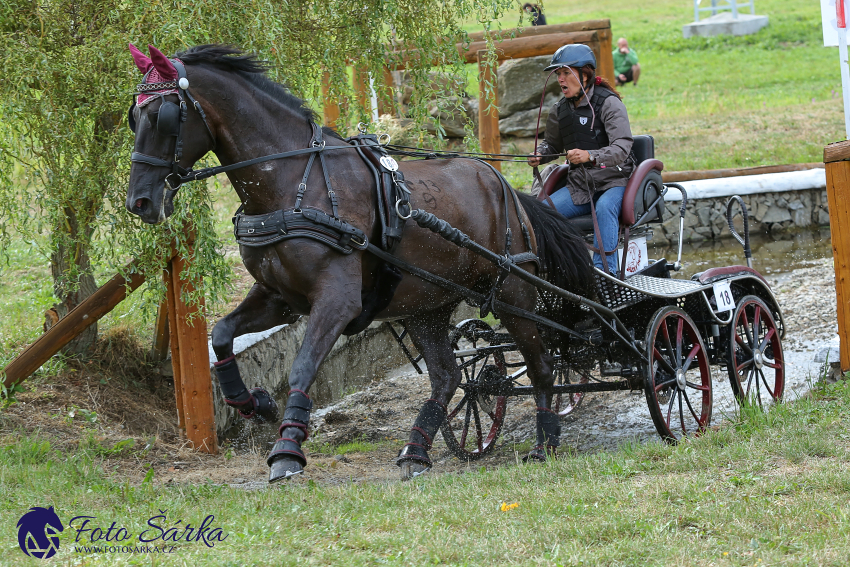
(353, 362)
(705, 218)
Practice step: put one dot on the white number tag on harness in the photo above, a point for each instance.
(723, 297)
(389, 163)
(636, 257)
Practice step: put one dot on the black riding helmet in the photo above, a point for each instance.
(573, 55)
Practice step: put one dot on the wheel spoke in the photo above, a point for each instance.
(756, 323)
(479, 440)
(690, 407)
(747, 329)
(679, 329)
(767, 337)
(766, 385)
(670, 406)
(656, 354)
(750, 375)
(664, 384)
(666, 337)
(746, 364)
(690, 358)
(740, 342)
(457, 407)
(682, 414)
(699, 387)
(466, 423)
(774, 365)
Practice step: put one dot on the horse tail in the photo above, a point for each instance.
(565, 261)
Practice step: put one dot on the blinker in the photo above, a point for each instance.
(131, 118)
(168, 120)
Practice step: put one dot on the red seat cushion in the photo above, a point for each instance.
(627, 213)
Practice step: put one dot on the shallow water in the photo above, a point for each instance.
(773, 254)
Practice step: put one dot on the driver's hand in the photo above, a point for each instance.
(534, 161)
(578, 156)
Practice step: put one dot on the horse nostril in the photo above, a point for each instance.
(139, 203)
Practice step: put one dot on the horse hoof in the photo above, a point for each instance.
(265, 408)
(283, 468)
(411, 469)
(536, 455)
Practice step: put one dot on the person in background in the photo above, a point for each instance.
(535, 13)
(591, 126)
(625, 63)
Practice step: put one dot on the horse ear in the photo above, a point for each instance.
(143, 62)
(162, 64)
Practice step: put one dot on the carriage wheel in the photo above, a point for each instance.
(564, 404)
(474, 418)
(677, 381)
(754, 354)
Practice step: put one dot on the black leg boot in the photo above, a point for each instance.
(286, 458)
(548, 436)
(255, 404)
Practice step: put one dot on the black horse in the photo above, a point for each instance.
(227, 105)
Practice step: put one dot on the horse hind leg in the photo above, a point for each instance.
(261, 309)
(431, 338)
(540, 366)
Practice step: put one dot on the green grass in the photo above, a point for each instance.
(768, 489)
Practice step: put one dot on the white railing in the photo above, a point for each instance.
(718, 5)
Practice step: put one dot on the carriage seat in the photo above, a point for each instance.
(643, 189)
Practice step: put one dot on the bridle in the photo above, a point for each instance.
(169, 123)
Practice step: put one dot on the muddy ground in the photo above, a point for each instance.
(100, 404)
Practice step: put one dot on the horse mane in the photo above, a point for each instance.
(560, 247)
(251, 68)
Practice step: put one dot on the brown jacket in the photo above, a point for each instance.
(615, 157)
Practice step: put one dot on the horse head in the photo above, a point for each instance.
(171, 135)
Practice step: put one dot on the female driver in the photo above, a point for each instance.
(590, 124)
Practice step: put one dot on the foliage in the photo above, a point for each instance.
(67, 81)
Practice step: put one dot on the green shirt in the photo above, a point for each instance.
(623, 63)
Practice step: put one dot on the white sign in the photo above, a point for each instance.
(723, 297)
(828, 18)
(636, 257)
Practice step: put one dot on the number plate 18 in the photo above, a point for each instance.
(723, 297)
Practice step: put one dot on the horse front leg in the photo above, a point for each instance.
(330, 313)
(261, 309)
(430, 335)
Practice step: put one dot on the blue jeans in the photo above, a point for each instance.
(608, 207)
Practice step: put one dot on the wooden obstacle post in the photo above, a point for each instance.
(330, 107)
(837, 159)
(488, 109)
(159, 350)
(191, 361)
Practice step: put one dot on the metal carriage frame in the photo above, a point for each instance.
(648, 332)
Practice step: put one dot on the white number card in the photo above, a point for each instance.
(723, 297)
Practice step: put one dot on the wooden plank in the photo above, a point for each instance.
(488, 110)
(330, 107)
(676, 176)
(159, 350)
(194, 364)
(838, 195)
(836, 151)
(605, 57)
(171, 311)
(590, 25)
(509, 48)
(89, 311)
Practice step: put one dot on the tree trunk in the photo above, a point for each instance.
(66, 261)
